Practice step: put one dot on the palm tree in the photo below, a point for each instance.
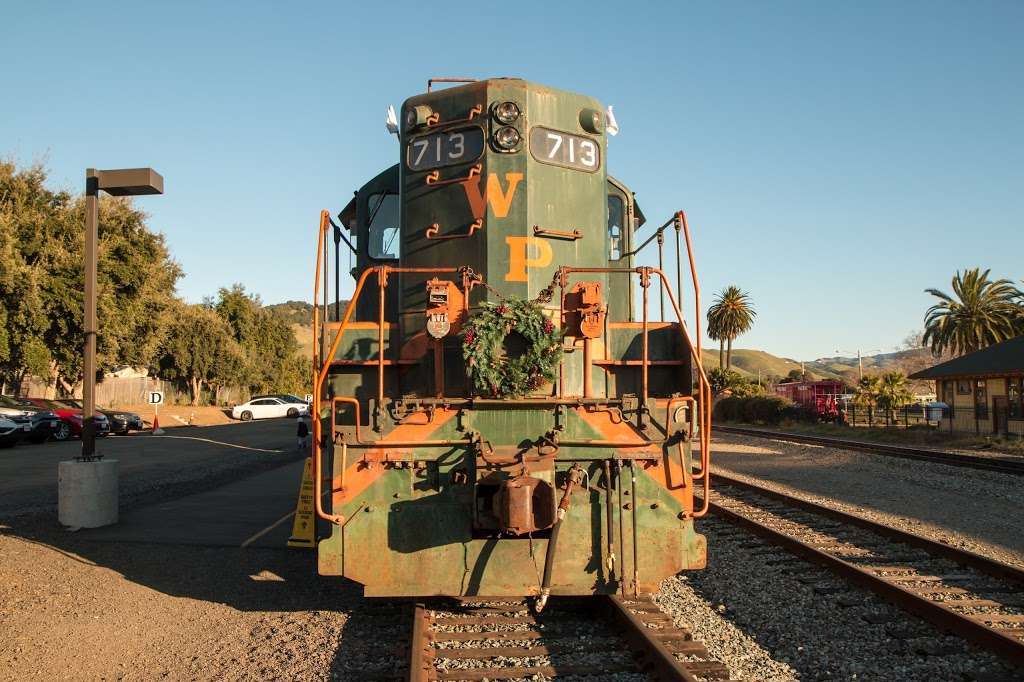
(980, 312)
(716, 334)
(893, 393)
(731, 314)
(866, 394)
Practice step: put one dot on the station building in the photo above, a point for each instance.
(984, 389)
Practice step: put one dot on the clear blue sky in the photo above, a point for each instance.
(834, 159)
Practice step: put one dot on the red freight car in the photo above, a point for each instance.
(824, 397)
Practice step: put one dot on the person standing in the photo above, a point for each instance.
(303, 435)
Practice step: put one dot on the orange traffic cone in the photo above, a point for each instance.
(156, 425)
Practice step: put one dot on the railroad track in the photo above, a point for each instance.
(969, 595)
(590, 637)
(1005, 466)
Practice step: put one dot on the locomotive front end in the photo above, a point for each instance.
(495, 418)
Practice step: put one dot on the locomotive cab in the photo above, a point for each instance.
(440, 485)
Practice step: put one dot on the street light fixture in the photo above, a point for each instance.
(120, 182)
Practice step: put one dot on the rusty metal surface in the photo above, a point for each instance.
(659, 661)
(1008, 645)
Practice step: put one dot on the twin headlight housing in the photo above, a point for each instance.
(507, 137)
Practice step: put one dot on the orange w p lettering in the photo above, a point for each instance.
(499, 199)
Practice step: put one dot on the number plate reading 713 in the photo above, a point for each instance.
(565, 149)
(444, 149)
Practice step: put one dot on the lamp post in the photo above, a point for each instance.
(860, 361)
(119, 183)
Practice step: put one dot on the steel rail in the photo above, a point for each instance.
(951, 458)
(654, 648)
(939, 614)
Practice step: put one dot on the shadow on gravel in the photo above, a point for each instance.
(251, 579)
(986, 505)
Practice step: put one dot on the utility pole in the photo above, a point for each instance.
(860, 359)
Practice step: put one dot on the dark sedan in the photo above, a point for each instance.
(70, 423)
(11, 432)
(121, 422)
(42, 422)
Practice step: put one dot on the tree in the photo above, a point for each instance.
(893, 393)
(731, 314)
(716, 333)
(41, 281)
(198, 350)
(980, 312)
(272, 363)
(866, 393)
(28, 212)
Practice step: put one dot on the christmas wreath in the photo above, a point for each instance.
(483, 339)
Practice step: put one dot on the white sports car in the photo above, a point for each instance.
(266, 407)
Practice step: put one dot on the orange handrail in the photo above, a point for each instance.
(382, 272)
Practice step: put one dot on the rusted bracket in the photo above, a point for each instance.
(435, 228)
(434, 120)
(538, 231)
(433, 177)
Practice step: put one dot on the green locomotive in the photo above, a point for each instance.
(497, 417)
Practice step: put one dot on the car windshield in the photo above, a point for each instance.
(74, 404)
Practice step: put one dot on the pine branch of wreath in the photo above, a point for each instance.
(484, 335)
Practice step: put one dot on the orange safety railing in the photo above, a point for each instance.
(322, 363)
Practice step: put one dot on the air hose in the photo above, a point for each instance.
(575, 476)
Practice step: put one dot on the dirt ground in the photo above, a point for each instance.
(182, 415)
(95, 611)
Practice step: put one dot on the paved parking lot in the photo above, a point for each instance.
(150, 466)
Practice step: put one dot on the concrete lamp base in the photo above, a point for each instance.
(87, 493)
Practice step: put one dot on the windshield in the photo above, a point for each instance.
(383, 226)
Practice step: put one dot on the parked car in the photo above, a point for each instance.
(11, 432)
(121, 422)
(42, 422)
(263, 408)
(287, 397)
(70, 419)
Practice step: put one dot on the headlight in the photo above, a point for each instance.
(506, 112)
(507, 137)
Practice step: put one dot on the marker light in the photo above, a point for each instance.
(507, 137)
(506, 112)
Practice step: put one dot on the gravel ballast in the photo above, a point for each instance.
(770, 616)
(975, 510)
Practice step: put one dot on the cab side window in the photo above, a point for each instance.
(616, 219)
(383, 240)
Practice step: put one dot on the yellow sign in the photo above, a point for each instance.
(520, 259)
(304, 526)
